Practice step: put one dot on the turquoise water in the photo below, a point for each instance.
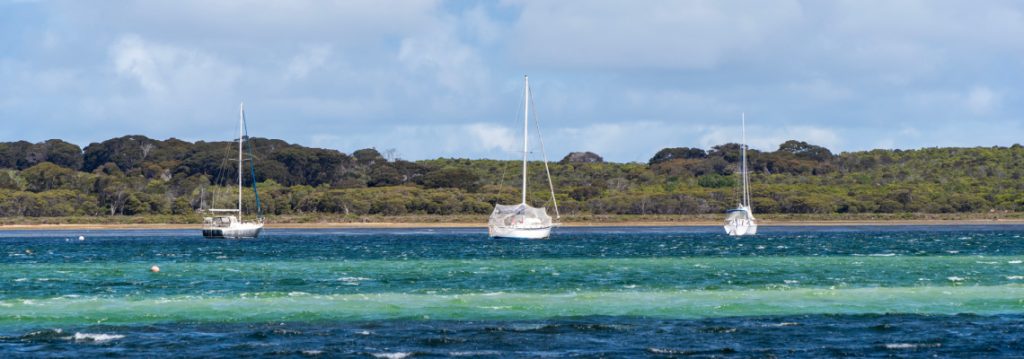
(324, 288)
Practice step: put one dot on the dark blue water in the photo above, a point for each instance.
(605, 292)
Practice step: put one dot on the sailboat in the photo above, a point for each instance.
(522, 221)
(740, 221)
(230, 225)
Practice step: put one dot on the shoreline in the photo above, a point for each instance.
(389, 225)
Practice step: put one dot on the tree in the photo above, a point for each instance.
(714, 180)
(451, 177)
(368, 156)
(126, 152)
(668, 154)
(47, 176)
(805, 150)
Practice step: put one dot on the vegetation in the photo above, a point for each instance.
(142, 177)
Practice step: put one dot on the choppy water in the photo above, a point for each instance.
(829, 291)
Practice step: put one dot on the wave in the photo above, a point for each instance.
(272, 306)
(505, 275)
(95, 338)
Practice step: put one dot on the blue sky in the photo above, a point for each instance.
(443, 79)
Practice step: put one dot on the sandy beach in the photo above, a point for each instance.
(385, 225)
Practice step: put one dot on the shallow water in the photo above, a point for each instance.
(790, 291)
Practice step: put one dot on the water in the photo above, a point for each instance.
(790, 291)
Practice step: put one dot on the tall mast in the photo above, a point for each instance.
(746, 191)
(526, 130)
(241, 127)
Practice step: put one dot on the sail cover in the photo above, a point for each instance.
(519, 215)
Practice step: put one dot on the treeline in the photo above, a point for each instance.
(136, 175)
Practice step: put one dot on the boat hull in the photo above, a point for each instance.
(519, 233)
(741, 228)
(234, 232)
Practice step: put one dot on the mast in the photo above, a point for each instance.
(526, 130)
(241, 126)
(746, 190)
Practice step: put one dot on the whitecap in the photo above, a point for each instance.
(663, 351)
(911, 345)
(396, 355)
(881, 255)
(21, 279)
(955, 279)
(1015, 277)
(1015, 262)
(952, 252)
(312, 352)
(96, 338)
(353, 280)
(790, 281)
(475, 353)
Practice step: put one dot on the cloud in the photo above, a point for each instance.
(493, 137)
(480, 25)
(982, 100)
(169, 71)
(955, 104)
(453, 65)
(443, 78)
(821, 89)
(622, 142)
(660, 34)
(308, 61)
(769, 138)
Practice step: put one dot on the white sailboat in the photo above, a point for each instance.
(522, 221)
(231, 225)
(740, 221)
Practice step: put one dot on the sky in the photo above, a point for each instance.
(431, 79)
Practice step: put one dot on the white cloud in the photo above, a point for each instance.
(975, 101)
(481, 26)
(437, 78)
(982, 100)
(661, 34)
(452, 64)
(225, 23)
(490, 137)
(821, 89)
(166, 71)
(307, 61)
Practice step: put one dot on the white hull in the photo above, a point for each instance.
(519, 233)
(741, 228)
(235, 231)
